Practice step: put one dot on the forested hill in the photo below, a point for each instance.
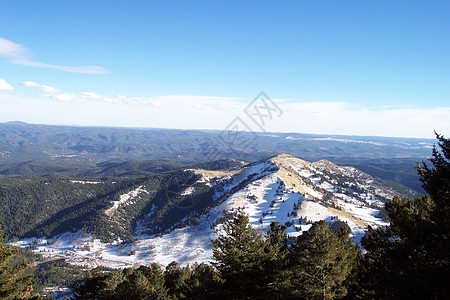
(47, 206)
(42, 150)
(121, 206)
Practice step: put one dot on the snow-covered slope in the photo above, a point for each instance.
(125, 199)
(284, 189)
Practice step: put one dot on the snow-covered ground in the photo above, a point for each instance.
(125, 199)
(85, 182)
(284, 189)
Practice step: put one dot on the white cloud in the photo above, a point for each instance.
(52, 92)
(18, 54)
(12, 50)
(348, 118)
(204, 112)
(30, 84)
(170, 101)
(95, 96)
(45, 88)
(63, 97)
(4, 86)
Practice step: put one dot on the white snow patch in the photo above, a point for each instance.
(85, 182)
(188, 191)
(124, 199)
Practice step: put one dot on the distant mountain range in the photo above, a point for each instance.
(44, 150)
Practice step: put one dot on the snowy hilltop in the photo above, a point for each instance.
(198, 201)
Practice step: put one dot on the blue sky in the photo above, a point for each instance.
(353, 67)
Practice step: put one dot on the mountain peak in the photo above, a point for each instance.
(326, 164)
(191, 205)
(284, 158)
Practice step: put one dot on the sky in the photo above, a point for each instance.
(373, 68)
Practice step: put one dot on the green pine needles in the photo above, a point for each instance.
(12, 283)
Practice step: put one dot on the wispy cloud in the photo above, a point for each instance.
(4, 86)
(168, 101)
(351, 118)
(18, 54)
(204, 112)
(45, 88)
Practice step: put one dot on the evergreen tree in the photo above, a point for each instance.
(277, 251)
(436, 179)
(239, 255)
(200, 281)
(411, 257)
(176, 280)
(136, 286)
(155, 276)
(142, 283)
(12, 283)
(277, 238)
(319, 263)
(95, 286)
(204, 282)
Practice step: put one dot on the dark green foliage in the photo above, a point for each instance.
(275, 262)
(318, 264)
(401, 260)
(47, 273)
(176, 279)
(46, 207)
(436, 179)
(240, 256)
(172, 205)
(12, 281)
(200, 281)
(411, 257)
(57, 273)
(204, 282)
(93, 286)
(142, 283)
(134, 168)
(254, 267)
(277, 240)
(337, 225)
